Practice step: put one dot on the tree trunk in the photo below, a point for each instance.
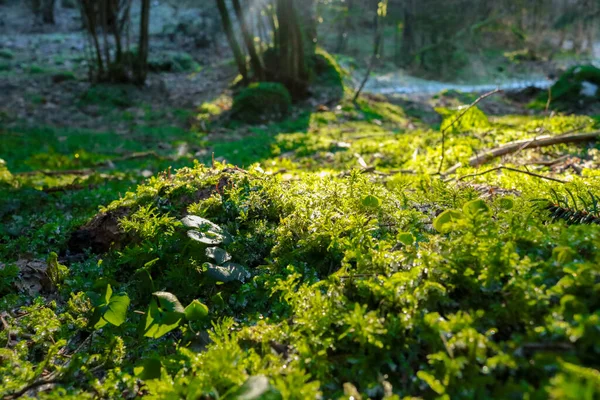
(408, 34)
(142, 66)
(233, 43)
(378, 23)
(247, 36)
(48, 11)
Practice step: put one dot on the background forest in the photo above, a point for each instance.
(299, 199)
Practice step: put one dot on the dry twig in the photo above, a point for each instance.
(458, 118)
(502, 167)
(512, 147)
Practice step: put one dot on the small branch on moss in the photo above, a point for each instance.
(512, 147)
(31, 386)
(501, 167)
(548, 163)
(458, 118)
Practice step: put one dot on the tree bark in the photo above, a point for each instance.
(255, 61)
(233, 43)
(48, 11)
(144, 43)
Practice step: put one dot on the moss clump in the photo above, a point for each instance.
(6, 177)
(6, 54)
(577, 87)
(173, 62)
(107, 95)
(329, 75)
(260, 102)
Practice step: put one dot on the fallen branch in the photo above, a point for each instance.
(31, 386)
(501, 167)
(458, 117)
(512, 147)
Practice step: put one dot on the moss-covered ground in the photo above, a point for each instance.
(322, 256)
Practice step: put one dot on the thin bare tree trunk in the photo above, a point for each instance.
(235, 47)
(374, 56)
(48, 11)
(144, 42)
(247, 36)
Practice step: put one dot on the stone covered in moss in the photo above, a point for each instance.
(261, 102)
(579, 86)
(329, 76)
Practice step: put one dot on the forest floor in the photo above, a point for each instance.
(340, 252)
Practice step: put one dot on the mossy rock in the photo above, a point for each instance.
(577, 87)
(261, 102)
(173, 62)
(6, 54)
(328, 75)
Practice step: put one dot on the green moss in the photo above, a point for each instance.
(352, 282)
(36, 69)
(173, 62)
(329, 76)
(576, 87)
(6, 54)
(107, 95)
(261, 102)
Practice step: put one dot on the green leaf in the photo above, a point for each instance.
(208, 238)
(406, 238)
(107, 294)
(433, 383)
(164, 314)
(201, 224)
(150, 369)
(563, 254)
(228, 272)
(506, 203)
(109, 308)
(475, 207)
(218, 254)
(371, 201)
(168, 302)
(196, 311)
(116, 310)
(443, 222)
(257, 388)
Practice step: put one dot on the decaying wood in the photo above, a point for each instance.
(535, 143)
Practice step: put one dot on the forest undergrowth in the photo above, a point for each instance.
(339, 253)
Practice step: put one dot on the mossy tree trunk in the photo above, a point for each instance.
(293, 26)
(296, 42)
